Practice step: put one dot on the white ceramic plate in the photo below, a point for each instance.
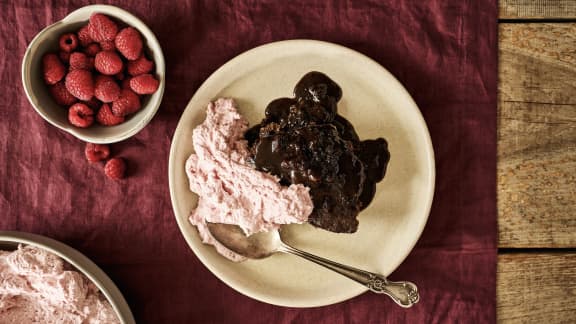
(378, 106)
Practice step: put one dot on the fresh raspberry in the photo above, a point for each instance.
(106, 89)
(68, 42)
(107, 46)
(144, 84)
(108, 62)
(84, 36)
(102, 28)
(93, 103)
(139, 66)
(115, 168)
(80, 61)
(128, 103)
(52, 68)
(107, 118)
(60, 95)
(64, 57)
(92, 49)
(80, 84)
(96, 152)
(80, 115)
(129, 43)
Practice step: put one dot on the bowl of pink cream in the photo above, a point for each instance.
(45, 281)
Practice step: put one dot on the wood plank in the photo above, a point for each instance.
(537, 9)
(537, 135)
(536, 288)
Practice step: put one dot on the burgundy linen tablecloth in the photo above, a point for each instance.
(444, 52)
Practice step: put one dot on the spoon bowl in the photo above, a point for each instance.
(256, 246)
(264, 244)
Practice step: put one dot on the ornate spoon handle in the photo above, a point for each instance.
(404, 293)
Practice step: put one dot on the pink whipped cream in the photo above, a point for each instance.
(232, 192)
(35, 287)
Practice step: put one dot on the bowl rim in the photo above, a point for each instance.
(159, 62)
(81, 263)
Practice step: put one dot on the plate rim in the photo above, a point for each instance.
(430, 160)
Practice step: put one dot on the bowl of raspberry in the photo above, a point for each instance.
(98, 74)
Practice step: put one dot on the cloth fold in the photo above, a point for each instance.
(443, 52)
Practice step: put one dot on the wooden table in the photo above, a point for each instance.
(537, 161)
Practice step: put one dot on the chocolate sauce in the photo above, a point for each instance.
(304, 140)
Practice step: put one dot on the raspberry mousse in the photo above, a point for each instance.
(38, 287)
(230, 190)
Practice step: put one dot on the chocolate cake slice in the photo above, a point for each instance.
(304, 140)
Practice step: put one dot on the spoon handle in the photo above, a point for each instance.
(404, 293)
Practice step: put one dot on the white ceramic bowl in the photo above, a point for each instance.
(39, 96)
(10, 240)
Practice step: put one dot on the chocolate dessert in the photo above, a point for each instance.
(303, 140)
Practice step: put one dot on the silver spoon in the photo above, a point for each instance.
(264, 244)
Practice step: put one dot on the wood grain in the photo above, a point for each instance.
(537, 9)
(537, 135)
(536, 288)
